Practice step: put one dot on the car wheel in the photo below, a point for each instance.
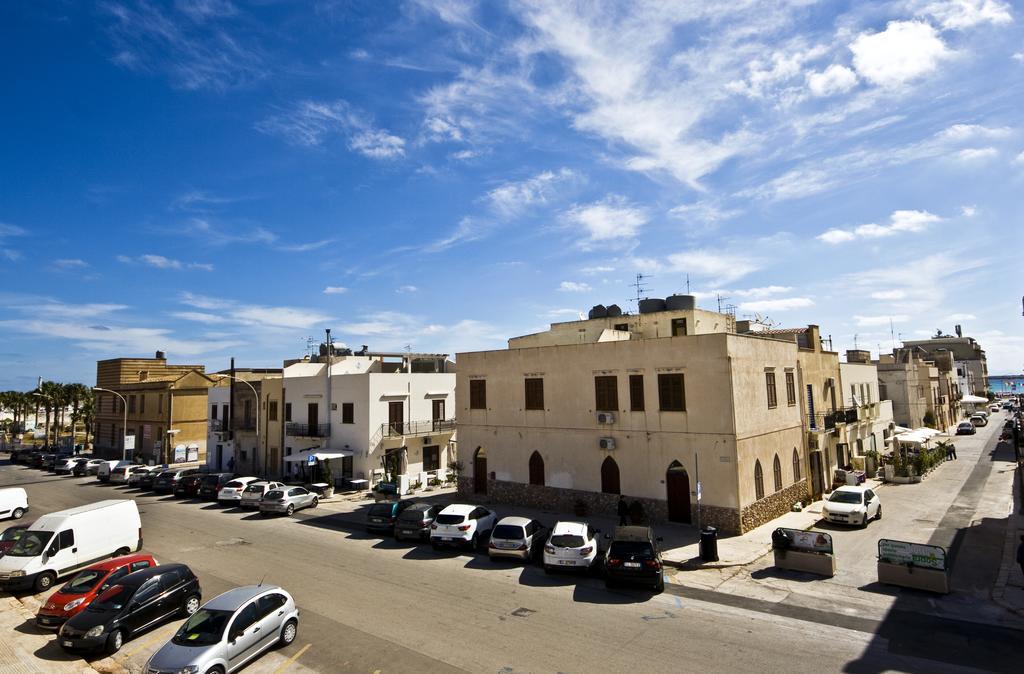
(18, 512)
(215, 670)
(474, 543)
(290, 511)
(659, 587)
(190, 606)
(315, 502)
(878, 515)
(115, 641)
(289, 632)
(44, 581)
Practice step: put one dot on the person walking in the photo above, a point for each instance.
(952, 450)
(623, 510)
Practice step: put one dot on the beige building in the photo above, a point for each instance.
(868, 419)
(641, 405)
(165, 406)
(968, 356)
(233, 421)
(911, 383)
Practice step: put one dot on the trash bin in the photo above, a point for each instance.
(709, 544)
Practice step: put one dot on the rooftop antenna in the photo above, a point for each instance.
(260, 584)
(892, 333)
(687, 284)
(855, 341)
(310, 343)
(641, 289)
(720, 298)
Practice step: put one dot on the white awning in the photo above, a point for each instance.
(901, 429)
(319, 455)
(974, 400)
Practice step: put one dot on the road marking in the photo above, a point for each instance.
(287, 663)
(144, 645)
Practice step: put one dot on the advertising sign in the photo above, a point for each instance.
(911, 554)
(193, 452)
(129, 442)
(147, 431)
(809, 541)
(179, 454)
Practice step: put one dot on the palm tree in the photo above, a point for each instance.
(87, 412)
(52, 395)
(77, 394)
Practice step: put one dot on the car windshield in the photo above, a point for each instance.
(631, 549)
(12, 534)
(509, 531)
(166, 474)
(31, 544)
(234, 484)
(211, 479)
(450, 519)
(112, 600)
(255, 489)
(204, 628)
(275, 493)
(382, 509)
(567, 541)
(845, 497)
(411, 515)
(84, 582)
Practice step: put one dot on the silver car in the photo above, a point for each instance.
(229, 631)
(254, 492)
(287, 500)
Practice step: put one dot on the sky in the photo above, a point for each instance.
(218, 178)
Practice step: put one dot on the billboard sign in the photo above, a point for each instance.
(809, 541)
(912, 554)
(180, 453)
(129, 442)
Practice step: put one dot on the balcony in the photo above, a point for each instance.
(215, 425)
(820, 422)
(411, 428)
(243, 424)
(307, 430)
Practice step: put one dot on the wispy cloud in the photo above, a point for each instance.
(961, 14)
(718, 267)
(512, 198)
(574, 287)
(335, 290)
(899, 221)
(70, 263)
(612, 218)
(239, 313)
(211, 234)
(9, 231)
(872, 321)
(406, 289)
(161, 262)
(312, 123)
(781, 304)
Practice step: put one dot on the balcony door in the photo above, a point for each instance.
(313, 417)
(396, 416)
(437, 412)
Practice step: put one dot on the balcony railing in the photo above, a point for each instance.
(414, 428)
(216, 425)
(307, 430)
(243, 424)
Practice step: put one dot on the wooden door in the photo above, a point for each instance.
(610, 476)
(480, 471)
(437, 412)
(396, 416)
(313, 417)
(677, 487)
(816, 489)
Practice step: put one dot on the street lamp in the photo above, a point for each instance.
(124, 429)
(257, 396)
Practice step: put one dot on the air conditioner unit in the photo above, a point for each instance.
(605, 418)
(607, 443)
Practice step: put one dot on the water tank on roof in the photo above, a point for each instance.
(614, 310)
(680, 302)
(599, 311)
(651, 305)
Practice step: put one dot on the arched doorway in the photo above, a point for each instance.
(610, 476)
(480, 471)
(677, 488)
(537, 469)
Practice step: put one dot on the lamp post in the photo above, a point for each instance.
(257, 396)
(53, 403)
(124, 428)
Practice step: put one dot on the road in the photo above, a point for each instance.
(376, 605)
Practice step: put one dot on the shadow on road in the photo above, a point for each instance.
(785, 574)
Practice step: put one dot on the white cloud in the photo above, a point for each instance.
(767, 73)
(11, 230)
(1019, 57)
(598, 269)
(574, 287)
(717, 267)
(763, 291)
(609, 219)
(70, 263)
(406, 289)
(1019, 159)
(904, 51)
(961, 317)
(468, 229)
(960, 14)
(889, 295)
(781, 304)
(251, 315)
(868, 321)
(899, 221)
(704, 212)
(977, 153)
(378, 144)
(969, 211)
(312, 123)
(161, 262)
(512, 198)
(335, 290)
(959, 133)
(835, 79)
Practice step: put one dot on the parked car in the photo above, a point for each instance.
(229, 631)
(42, 460)
(852, 505)
(139, 601)
(13, 502)
(144, 478)
(978, 420)
(53, 461)
(462, 525)
(993, 409)
(255, 491)
(188, 486)
(212, 484)
(87, 467)
(76, 595)
(517, 537)
(383, 516)
(122, 474)
(231, 492)
(287, 500)
(107, 467)
(66, 465)
(94, 466)
(571, 545)
(167, 481)
(414, 522)
(633, 556)
(966, 428)
(10, 536)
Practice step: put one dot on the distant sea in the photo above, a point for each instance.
(1009, 383)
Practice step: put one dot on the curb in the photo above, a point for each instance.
(1008, 562)
(28, 614)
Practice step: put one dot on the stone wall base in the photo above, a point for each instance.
(772, 506)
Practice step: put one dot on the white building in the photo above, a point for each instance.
(383, 416)
(869, 421)
(220, 450)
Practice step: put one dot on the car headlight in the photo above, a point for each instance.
(16, 574)
(95, 631)
(189, 669)
(73, 603)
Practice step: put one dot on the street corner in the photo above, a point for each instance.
(30, 648)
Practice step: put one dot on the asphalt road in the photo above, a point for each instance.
(373, 605)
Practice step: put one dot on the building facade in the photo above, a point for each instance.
(234, 420)
(968, 356)
(911, 383)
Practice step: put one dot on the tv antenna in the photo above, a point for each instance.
(310, 343)
(721, 298)
(641, 289)
(855, 341)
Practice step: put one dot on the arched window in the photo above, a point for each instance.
(758, 481)
(610, 476)
(537, 469)
(777, 473)
(796, 465)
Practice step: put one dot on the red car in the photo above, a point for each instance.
(10, 536)
(85, 586)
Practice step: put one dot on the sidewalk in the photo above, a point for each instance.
(1008, 591)
(30, 650)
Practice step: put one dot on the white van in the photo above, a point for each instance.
(107, 467)
(13, 503)
(61, 543)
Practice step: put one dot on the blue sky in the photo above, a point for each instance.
(217, 178)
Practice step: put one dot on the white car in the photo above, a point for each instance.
(517, 537)
(571, 545)
(93, 466)
(231, 493)
(852, 505)
(254, 492)
(121, 475)
(462, 525)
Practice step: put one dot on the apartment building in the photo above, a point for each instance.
(641, 405)
(968, 356)
(373, 415)
(911, 383)
(868, 420)
(165, 406)
(245, 424)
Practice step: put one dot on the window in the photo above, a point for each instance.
(773, 396)
(678, 327)
(758, 481)
(790, 389)
(636, 393)
(66, 539)
(271, 410)
(287, 411)
(535, 394)
(883, 392)
(606, 393)
(142, 564)
(777, 473)
(169, 579)
(431, 458)
(142, 403)
(267, 604)
(622, 327)
(213, 412)
(671, 393)
(148, 591)
(244, 455)
(477, 394)
(796, 465)
(131, 404)
(348, 413)
(537, 469)
(246, 617)
(224, 410)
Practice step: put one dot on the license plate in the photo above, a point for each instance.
(407, 532)
(632, 565)
(566, 562)
(507, 546)
(67, 644)
(376, 520)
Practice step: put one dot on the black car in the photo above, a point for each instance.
(382, 516)
(212, 484)
(633, 557)
(188, 486)
(414, 522)
(167, 481)
(139, 601)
